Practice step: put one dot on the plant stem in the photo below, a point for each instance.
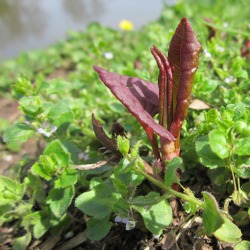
(161, 185)
(231, 168)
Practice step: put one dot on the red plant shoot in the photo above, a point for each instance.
(170, 98)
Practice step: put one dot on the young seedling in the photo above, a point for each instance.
(170, 98)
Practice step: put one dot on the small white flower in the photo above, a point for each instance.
(82, 156)
(207, 54)
(69, 234)
(108, 55)
(225, 24)
(229, 79)
(220, 49)
(130, 225)
(129, 222)
(53, 96)
(8, 158)
(47, 129)
(156, 236)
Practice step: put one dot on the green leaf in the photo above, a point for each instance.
(45, 168)
(35, 187)
(72, 149)
(10, 190)
(212, 219)
(170, 174)
(242, 146)
(212, 115)
(157, 217)
(206, 156)
(126, 180)
(97, 202)
(242, 167)
(218, 143)
(56, 86)
(60, 113)
(242, 73)
(98, 229)
(189, 207)
(60, 199)
(57, 149)
(31, 105)
(123, 145)
(40, 221)
(67, 178)
(23, 86)
(220, 178)
(243, 245)
(148, 200)
(246, 188)
(5, 215)
(22, 242)
(228, 232)
(19, 132)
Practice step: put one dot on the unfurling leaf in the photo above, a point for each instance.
(183, 56)
(138, 96)
(170, 98)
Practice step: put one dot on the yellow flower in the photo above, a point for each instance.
(126, 25)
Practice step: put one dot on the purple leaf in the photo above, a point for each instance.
(140, 97)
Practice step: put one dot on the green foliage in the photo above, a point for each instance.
(19, 132)
(243, 245)
(228, 232)
(212, 219)
(123, 145)
(10, 191)
(44, 194)
(218, 143)
(170, 174)
(156, 217)
(98, 202)
(98, 229)
(207, 157)
(60, 199)
(22, 242)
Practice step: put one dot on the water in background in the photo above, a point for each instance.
(29, 24)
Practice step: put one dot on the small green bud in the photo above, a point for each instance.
(123, 145)
(8, 194)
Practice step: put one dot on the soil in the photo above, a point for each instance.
(9, 111)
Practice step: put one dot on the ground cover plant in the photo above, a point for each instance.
(136, 191)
